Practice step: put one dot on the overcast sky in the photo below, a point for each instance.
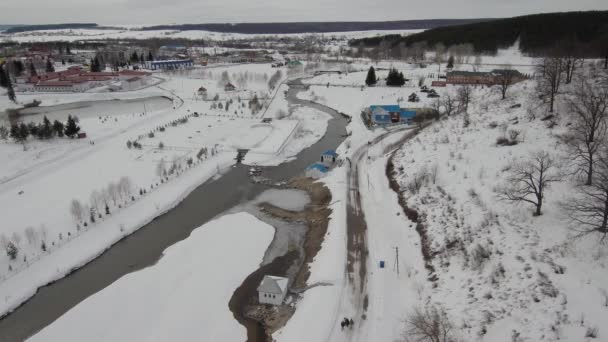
(233, 11)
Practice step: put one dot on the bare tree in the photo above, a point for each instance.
(589, 106)
(113, 192)
(505, 80)
(125, 186)
(529, 179)
(76, 210)
(588, 209)
(97, 200)
(160, 168)
(449, 104)
(464, 96)
(429, 325)
(31, 235)
(551, 72)
(477, 63)
(570, 50)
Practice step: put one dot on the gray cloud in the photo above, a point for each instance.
(207, 11)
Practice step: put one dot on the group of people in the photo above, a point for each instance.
(346, 322)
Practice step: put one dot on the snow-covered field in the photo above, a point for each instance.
(184, 297)
(93, 34)
(517, 287)
(46, 177)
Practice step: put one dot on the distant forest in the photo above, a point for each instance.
(316, 27)
(537, 33)
(27, 28)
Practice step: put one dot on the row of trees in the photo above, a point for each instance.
(115, 194)
(394, 78)
(45, 130)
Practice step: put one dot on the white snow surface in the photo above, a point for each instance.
(184, 297)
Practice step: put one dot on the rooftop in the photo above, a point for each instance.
(318, 166)
(273, 284)
(330, 153)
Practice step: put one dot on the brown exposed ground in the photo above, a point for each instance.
(262, 320)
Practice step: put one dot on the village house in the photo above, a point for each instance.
(174, 64)
(272, 290)
(483, 78)
(229, 87)
(329, 157)
(389, 114)
(316, 171)
(75, 79)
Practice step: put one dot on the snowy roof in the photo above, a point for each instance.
(273, 284)
(388, 108)
(330, 153)
(319, 167)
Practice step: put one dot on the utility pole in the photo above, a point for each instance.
(396, 265)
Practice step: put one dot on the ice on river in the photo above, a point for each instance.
(288, 199)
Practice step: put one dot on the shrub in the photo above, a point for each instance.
(428, 325)
(591, 332)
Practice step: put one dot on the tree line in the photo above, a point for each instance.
(536, 33)
(44, 130)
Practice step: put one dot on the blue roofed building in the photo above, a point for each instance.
(174, 64)
(316, 170)
(329, 157)
(389, 114)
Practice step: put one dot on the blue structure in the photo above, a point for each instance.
(170, 64)
(381, 263)
(390, 114)
(329, 157)
(316, 170)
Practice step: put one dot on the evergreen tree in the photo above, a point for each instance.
(14, 132)
(9, 90)
(141, 58)
(11, 250)
(150, 57)
(371, 77)
(58, 128)
(49, 66)
(3, 76)
(18, 68)
(395, 78)
(71, 129)
(46, 131)
(63, 62)
(451, 62)
(5, 82)
(134, 57)
(24, 132)
(33, 71)
(34, 129)
(67, 49)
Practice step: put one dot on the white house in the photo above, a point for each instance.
(272, 290)
(329, 157)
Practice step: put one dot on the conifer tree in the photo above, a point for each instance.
(71, 129)
(49, 66)
(370, 80)
(33, 71)
(58, 128)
